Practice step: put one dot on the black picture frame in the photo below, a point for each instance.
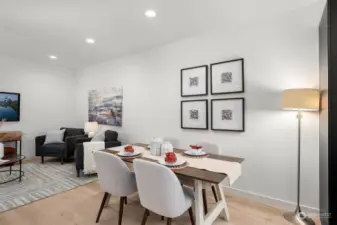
(206, 81)
(243, 114)
(19, 105)
(181, 114)
(242, 72)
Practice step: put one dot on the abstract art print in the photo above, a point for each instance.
(227, 77)
(228, 114)
(194, 81)
(194, 114)
(106, 106)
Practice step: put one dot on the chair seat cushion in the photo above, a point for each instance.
(54, 148)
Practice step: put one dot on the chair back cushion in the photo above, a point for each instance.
(111, 135)
(69, 132)
(113, 175)
(159, 189)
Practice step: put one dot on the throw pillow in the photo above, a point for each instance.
(55, 136)
(99, 136)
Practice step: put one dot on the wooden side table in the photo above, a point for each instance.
(16, 137)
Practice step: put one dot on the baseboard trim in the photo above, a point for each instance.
(286, 205)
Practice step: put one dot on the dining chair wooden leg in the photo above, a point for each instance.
(169, 221)
(121, 207)
(126, 200)
(146, 215)
(106, 194)
(214, 193)
(162, 218)
(190, 211)
(204, 198)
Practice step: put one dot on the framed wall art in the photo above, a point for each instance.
(228, 114)
(194, 81)
(194, 114)
(227, 77)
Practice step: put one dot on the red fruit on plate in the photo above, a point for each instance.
(170, 157)
(196, 147)
(129, 148)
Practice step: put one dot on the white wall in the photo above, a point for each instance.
(276, 58)
(47, 98)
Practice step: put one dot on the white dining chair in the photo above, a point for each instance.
(210, 149)
(161, 192)
(115, 179)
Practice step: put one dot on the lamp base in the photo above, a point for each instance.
(298, 218)
(91, 134)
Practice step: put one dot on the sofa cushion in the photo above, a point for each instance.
(72, 132)
(111, 135)
(53, 148)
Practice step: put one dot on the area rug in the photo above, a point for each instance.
(40, 181)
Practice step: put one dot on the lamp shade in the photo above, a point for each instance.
(304, 99)
(90, 127)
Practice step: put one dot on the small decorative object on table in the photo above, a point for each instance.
(155, 146)
(129, 151)
(172, 161)
(166, 147)
(195, 151)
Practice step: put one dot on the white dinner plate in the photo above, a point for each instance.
(128, 154)
(195, 153)
(179, 162)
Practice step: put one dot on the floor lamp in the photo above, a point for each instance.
(299, 100)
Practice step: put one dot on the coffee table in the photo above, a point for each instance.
(9, 162)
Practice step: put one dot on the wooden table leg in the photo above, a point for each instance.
(221, 196)
(199, 208)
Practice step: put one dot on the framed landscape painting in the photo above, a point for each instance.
(228, 114)
(194, 81)
(227, 77)
(194, 114)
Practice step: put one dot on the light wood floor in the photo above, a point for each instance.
(80, 206)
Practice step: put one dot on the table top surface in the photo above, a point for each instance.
(11, 159)
(191, 172)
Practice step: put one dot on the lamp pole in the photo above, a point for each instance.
(298, 217)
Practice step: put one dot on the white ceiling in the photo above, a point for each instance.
(33, 29)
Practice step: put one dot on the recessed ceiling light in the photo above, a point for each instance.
(150, 13)
(90, 40)
(53, 57)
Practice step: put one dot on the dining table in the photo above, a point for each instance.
(201, 178)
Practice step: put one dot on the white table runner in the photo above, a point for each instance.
(232, 169)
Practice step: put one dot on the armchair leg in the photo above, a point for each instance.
(78, 172)
(62, 160)
(42, 159)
